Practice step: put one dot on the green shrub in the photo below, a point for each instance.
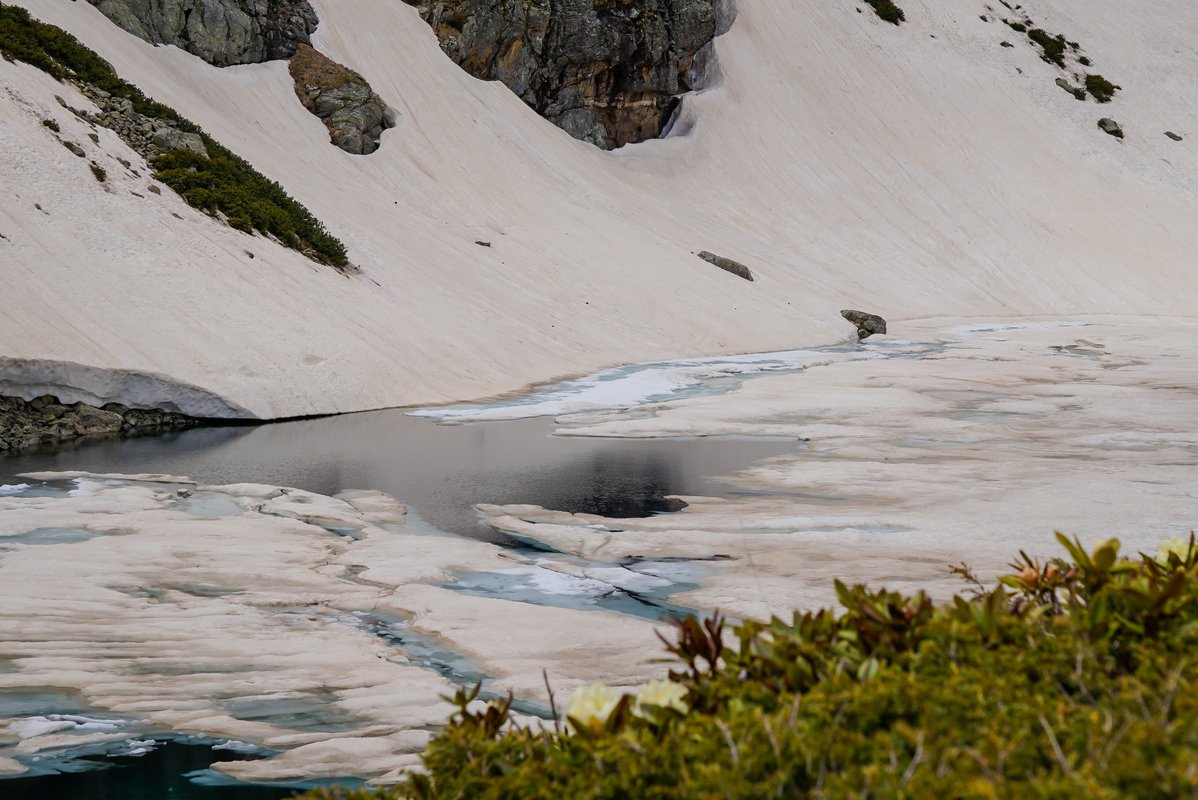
(1102, 89)
(888, 11)
(52, 125)
(1073, 678)
(1052, 47)
(224, 182)
(99, 172)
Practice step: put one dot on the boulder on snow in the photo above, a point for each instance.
(1111, 127)
(728, 265)
(355, 116)
(867, 324)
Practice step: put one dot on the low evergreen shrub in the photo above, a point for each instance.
(1074, 677)
(888, 11)
(1052, 47)
(1102, 89)
(224, 182)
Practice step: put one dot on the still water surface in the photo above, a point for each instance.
(440, 471)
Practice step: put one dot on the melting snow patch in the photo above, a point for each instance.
(236, 746)
(655, 382)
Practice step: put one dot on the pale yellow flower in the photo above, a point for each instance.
(592, 704)
(660, 694)
(1176, 545)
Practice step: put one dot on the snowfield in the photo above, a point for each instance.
(914, 171)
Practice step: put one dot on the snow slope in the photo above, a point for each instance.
(913, 171)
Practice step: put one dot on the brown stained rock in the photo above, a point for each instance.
(867, 324)
(608, 72)
(354, 115)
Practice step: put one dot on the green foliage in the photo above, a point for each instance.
(223, 183)
(52, 125)
(1102, 89)
(99, 172)
(1052, 47)
(53, 50)
(888, 11)
(1073, 678)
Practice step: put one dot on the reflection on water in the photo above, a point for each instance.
(441, 471)
(161, 773)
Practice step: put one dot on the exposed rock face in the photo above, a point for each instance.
(44, 420)
(867, 324)
(728, 265)
(355, 116)
(608, 72)
(222, 32)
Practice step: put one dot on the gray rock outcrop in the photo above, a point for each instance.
(608, 72)
(728, 265)
(167, 139)
(355, 116)
(1111, 127)
(222, 32)
(867, 324)
(148, 136)
(1077, 91)
(45, 421)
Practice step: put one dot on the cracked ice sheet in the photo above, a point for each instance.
(235, 626)
(969, 453)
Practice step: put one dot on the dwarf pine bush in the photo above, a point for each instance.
(223, 182)
(1074, 677)
(888, 11)
(1052, 47)
(1102, 89)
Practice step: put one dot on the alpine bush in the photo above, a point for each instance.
(1052, 47)
(224, 182)
(1102, 89)
(888, 11)
(1074, 677)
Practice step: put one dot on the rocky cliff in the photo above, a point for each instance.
(222, 32)
(608, 72)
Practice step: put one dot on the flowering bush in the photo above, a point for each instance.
(1074, 677)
